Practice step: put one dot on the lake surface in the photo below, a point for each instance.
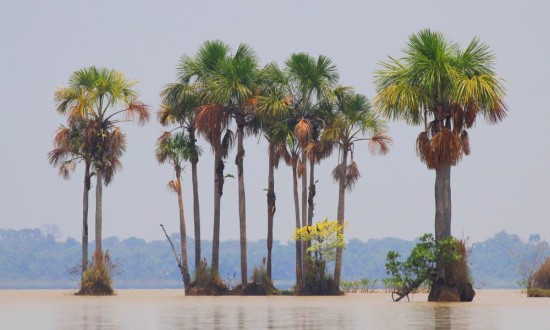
(170, 309)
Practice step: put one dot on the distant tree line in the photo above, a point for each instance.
(30, 259)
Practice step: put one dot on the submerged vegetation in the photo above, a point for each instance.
(223, 96)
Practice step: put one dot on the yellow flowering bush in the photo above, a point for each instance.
(324, 237)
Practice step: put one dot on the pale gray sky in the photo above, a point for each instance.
(504, 184)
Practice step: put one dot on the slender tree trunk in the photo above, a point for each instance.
(299, 261)
(239, 161)
(183, 235)
(196, 214)
(85, 218)
(311, 197)
(196, 207)
(270, 207)
(98, 210)
(442, 209)
(218, 191)
(340, 216)
(304, 211)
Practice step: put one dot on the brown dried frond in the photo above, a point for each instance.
(227, 142)
(289, 100)
(174, 185)
(458, 118)
(116, 141)
(301, 168)
(339, 173)
(457, 271)
(447, 149)
(62, 137)
(541, 277)
(380, 144)
(497, 113)
(303, 131)
(465, 142)
(57, 156)
(279, 152)
(323, 150)
(165, 115)
(210, 120)
(352, 176)
(138, 110)
(66, 169)
(470, 114)
(423, 147)
(109, 169)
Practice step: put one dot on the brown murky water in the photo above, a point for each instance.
(170, 309)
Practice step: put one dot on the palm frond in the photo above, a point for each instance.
(465, 142)
(352, 176)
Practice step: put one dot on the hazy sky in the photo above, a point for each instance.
(503, 185)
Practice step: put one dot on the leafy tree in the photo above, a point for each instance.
(445, 88)
(92, 96)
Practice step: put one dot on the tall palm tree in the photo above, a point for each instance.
(211, 121)
(351, 121)
(175, 149)
(234, 87)
(272, 101)
(445, 88)
(69, 149)
(93, 95)
(310, 80)
(293, 152)
(179, 104)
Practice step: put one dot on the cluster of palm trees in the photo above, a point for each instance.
(300, 109)
(303, 112)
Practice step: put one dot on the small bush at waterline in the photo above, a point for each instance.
(206, 282)
(97, 279)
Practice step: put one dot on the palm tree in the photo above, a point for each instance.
(445, 88)
(351, 121)
(69, 149)
(293, 152)
(179, 104)
(175, 149)
(91, 93)
(211, 121)
(233, 87)
(310, 82)
(272, 101)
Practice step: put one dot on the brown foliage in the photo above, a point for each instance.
(352, 176)
(457, 271)
(446, 149)
(96, 280)
(303, 131)
(470, 114)
(380, 144)
(541, 277)
(497, 113)
(465, 142)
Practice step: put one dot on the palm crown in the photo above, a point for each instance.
(443, 87)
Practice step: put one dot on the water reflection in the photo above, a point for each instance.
(167, 309)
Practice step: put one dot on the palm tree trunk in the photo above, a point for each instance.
(340, 216)
(304, 210)
(196, 213)
(239, 160)
(297, 214)
(196, 207)
(85, 218)
(270, 207)
(98, 210)
(183, 236)
(218, 191)
(311, 196)
(442, 209)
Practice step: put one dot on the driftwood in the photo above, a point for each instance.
(178, 259)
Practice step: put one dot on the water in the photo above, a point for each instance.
(170, 309)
